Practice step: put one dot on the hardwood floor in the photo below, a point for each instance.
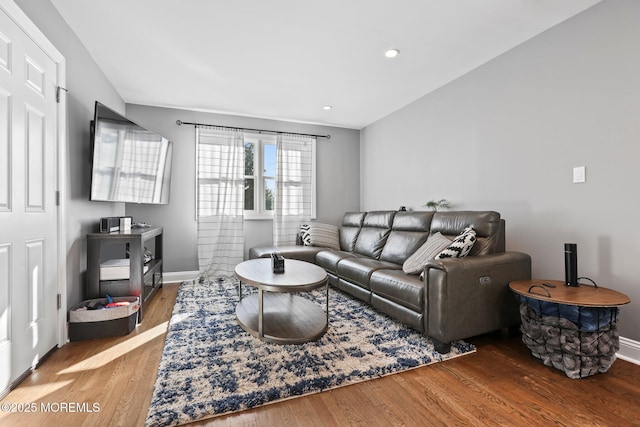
(501, 384)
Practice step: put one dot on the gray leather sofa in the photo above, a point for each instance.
(457, 298)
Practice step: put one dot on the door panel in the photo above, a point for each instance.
(35, 140)
(5, 152)
(28, 214)
(5, 323)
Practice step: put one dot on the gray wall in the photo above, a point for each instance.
(337, 178)
(86, 84)
(507, 135)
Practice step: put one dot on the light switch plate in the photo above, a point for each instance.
(579, 174)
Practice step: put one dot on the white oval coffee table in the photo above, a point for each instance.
(275, 314)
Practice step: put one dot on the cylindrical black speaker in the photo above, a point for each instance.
(571, 264)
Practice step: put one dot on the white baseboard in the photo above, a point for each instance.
(629, 350)
(179, 276)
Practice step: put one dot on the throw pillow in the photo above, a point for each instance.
(428, 251)
(304, 234)
(461, 245)
(324, 235)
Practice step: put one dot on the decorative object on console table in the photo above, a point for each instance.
(142, 279)
(434, 205)
(573, 329)
(125, 223)
(109, 224)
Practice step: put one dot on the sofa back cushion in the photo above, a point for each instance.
(408, 232)
(349, 230)
(486, 224)
(374, 233)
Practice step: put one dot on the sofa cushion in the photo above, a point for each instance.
(374, 233)
(319, 234)
(349, 230)
(406, 315)
(461, 245)
(358, 270)
(488, 245)
(428, 251)
(357, 291)
(302, 253)
(404, 289)
(487, 225)
(409, 231)
(417, 221)
(482, 246)
(328, 259)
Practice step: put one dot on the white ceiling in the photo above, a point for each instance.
(286, 59)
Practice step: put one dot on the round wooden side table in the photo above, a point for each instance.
(583, 295)
(573, 329)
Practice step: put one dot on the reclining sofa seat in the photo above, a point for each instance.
(458, 297)
(385, 241)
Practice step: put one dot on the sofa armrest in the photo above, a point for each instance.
(470, 296)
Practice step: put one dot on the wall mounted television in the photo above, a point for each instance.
(130, 164)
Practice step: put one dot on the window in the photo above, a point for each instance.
(255, 178)
(259, 175)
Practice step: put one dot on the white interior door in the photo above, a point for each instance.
(29, 241)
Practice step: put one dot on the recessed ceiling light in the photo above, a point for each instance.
(391, 53)
(327, 107)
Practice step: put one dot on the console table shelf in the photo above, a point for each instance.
(141, 283)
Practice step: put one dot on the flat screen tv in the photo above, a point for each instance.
(130, 163)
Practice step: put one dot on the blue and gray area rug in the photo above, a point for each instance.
(210, 366)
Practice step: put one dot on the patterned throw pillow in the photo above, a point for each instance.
(305, 235)
(432, 247)
(318, 234)
(461, 245)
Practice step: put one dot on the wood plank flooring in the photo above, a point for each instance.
(501, 384)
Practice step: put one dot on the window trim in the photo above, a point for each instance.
(314, 192)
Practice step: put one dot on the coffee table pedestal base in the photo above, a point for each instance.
(286, 318)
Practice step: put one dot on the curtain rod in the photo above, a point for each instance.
(180, 123)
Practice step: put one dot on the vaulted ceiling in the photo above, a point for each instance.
(287, 59)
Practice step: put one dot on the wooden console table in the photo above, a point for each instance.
(573, 329)
(142, 282)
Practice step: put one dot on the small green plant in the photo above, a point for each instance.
(436, 205)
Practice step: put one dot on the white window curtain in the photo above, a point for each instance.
(141, 158)
(220, 200)
(293, 195)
